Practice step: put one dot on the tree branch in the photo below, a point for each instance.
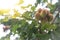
(54, 18)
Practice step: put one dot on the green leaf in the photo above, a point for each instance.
(38, 1)
(27, 15)
(45, 0)
(23, 7)
(14, 28)
(52, 7)
(48, 26)
(21, 1)
(3, 11)
(33, 8)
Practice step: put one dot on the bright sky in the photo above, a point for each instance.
(53, 1)
(4, 4)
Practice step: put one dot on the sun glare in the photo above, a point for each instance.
(6, 4)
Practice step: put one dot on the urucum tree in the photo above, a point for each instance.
(32, 25)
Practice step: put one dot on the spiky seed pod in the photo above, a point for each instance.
(43, 15)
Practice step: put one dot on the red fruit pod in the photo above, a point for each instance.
(6, 28)
(37, 16)
(50, 17)
(39, 10)
(43, 15)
